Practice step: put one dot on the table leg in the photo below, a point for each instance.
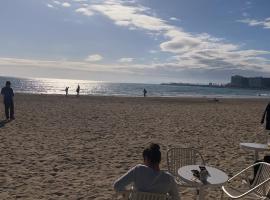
(201, 194)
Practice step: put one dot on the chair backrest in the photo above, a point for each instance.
(179, 157)
(262, 175)
(147, 196)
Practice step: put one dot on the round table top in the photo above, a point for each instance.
(216, 177)
(255, 146)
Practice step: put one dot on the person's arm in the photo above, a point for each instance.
(126, 179)
(12, 93)
(264, 113)
(174, 190)
(2, 91)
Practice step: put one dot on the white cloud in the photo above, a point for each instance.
(133, 16)
(94, 58)
(50, 5)
(84, 11)
(252, 22)
(126, 60)
(57, 2)
(189, 50)
(62, 64)
(174, 19)
(66, 4)
(80, 0)
(153, 51)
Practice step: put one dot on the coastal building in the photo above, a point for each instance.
(239, 81)
(250, 82)
(255, 82)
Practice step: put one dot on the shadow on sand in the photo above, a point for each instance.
(3, 123)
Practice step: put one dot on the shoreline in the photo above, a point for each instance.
(176, 97)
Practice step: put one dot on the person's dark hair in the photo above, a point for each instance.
(8, 83)
(152, 153)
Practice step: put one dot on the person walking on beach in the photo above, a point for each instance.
(8, 95)
(148, 177)
(144, 92)
(66, 90)
(78, 90)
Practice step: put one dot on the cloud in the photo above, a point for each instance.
(84, 11)
(252, 22)
(57, 2)
(66, 4)
(131, 16)
(50, 5)
(94, 58)
(188, 51)
(62, 64)
(174, 19)
(153, 51)
(126, 60)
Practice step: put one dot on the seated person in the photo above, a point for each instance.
(148, 177)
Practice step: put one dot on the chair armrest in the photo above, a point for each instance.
(258, 163)
(245, 193)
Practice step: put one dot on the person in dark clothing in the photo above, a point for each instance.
(78, 90)
(144, 92)
(267, 118)
(66, 90)
(8, 95)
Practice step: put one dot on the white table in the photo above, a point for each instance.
(256, 147)
(216, 178)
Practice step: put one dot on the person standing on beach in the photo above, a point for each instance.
(266, 119)
(66, 90)
(144, 92)
(78, 90)
(8, 95)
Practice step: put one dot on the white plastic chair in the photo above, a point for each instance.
(178, 157)
(259, 188)
(135, 195)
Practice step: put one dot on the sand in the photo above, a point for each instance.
(74, 148)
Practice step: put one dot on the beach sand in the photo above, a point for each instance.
(74, 148)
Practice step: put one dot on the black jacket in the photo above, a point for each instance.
(267, 113)
(8, 94)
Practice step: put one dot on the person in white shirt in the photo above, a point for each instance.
(148, 177)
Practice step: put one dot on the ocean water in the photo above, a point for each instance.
(57, 86)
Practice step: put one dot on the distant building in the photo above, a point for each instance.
(266, 82)
(255, 82)
(239, 81)
(250, 82)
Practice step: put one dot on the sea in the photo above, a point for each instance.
(100, 88)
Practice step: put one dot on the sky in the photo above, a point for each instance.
(144, 41)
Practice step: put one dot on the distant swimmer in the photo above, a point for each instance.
(66, 90)
(144, 92)
(78, 90)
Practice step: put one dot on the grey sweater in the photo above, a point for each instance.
(145, 179)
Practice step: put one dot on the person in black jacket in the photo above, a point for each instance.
(267, 118)
(8, 95)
